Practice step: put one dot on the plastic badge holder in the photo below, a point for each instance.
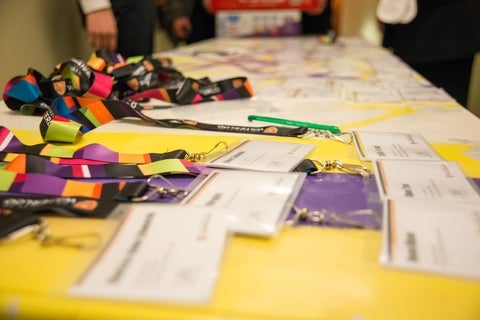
(257, 203)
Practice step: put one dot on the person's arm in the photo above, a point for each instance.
(100, 24)
(322, 4)
(207, 4)
(177, 18)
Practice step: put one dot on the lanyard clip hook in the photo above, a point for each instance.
(343, 137)
(200, 156)
(345, 167)
(160, 190)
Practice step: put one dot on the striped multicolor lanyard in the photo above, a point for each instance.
(91, 161)
(78, 98)
(32, 180)
(109, 76)
(105, 75)
(48, 185)
(32, 164)
(95, 153)
(39, 193)
(70, 116)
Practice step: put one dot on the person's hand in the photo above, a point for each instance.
(182, 28)
(101, 28)
(102, 31)
(207, 4)
(322, 4)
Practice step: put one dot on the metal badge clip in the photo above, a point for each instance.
(160, 191)
(345, 167)
(85, 241)
(17, 224)
(343, 137)
(346, 219)
(200, 156)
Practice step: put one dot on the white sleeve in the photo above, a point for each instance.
(94, 5)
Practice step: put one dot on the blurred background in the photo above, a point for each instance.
(40, 34)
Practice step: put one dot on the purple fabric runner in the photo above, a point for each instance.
(332, 191)
(337, 192)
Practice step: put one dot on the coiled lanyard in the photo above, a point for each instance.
(78, 98)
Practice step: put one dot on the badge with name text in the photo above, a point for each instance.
(441, 180)
(161, 253)
(432, 236)
(392, 145)
(262, 155)
(256, 202)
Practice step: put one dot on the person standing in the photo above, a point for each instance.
(124, 26)
(189, 20)
(440, 43)
(193, 20)
(318, 20)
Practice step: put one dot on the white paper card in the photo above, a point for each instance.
(432, 236)
(256, 202)
(441, 180)
(263, 155)
(425, 94)
(393, 145)
(160, 252)
(382, 95)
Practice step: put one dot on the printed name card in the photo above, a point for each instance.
(432, 236)
(263, 155)
(160, 252)
(256, 202)
(441, 180)
(392, 145)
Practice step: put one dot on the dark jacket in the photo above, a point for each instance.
(442, 30)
